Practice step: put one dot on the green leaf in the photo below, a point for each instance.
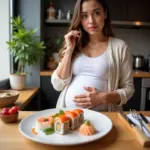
(24, 44)
(54, 116)
(61, 112)
(49, 131)
(87, 122)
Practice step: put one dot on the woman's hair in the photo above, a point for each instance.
(76, 25)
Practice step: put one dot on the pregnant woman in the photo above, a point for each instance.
(95, 69)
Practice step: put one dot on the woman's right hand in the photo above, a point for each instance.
(70, 39)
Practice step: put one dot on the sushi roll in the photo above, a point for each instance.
(74, 120)
(80, 113)
(44, 123)
(61, 124)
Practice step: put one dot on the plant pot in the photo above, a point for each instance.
(17, 82)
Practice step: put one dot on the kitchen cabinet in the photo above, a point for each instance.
(49, 96)
(138, 10)
(118, 9)
(135, 101)
(34, 104)
(129, 10)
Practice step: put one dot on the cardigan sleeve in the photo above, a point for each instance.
(57, 82)
(126, 86)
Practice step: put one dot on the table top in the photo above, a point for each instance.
(26, 96)
(119, 137)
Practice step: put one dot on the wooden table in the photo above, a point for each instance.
(26, 96)
(119, 138)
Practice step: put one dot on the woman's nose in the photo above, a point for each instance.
(91, 19)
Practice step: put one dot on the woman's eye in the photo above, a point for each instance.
(97, 13)
(84, 16)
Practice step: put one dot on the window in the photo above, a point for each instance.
(4, 36)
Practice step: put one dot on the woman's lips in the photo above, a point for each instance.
(92, 28)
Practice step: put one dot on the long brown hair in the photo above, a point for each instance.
(76, 25)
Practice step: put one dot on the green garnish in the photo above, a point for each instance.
(61, 112)
(46, 119)
(86, 122)
(49, 131)
(54, 116)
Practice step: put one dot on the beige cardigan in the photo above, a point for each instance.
(120, 75)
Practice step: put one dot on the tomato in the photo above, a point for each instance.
(15, 108)
(5, 111)
(12, 111)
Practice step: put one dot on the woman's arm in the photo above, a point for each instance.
(64, 68)
(62, 75)
(126, 86)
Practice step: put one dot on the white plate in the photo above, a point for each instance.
(101, 122)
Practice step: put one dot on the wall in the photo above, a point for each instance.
(4, 36)
(30, 12)
(137, 39)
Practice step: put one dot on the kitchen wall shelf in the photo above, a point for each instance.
(57, 21)
(136, 74)
(114, 23)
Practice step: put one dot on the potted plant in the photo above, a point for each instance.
(26, 50)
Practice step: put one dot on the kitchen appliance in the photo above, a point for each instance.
(138, 62)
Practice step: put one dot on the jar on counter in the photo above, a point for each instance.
(51, 11)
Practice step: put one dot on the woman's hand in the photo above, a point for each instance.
(92, 98)
(70, 39)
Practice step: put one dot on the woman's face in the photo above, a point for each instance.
(92, 17)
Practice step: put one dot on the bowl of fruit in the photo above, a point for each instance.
(9, 115)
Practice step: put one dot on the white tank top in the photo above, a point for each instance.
(89, 72)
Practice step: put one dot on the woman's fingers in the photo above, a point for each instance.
(90, 89)
(87, 104)
(82, 100)
(72, 33)
(70, 39)
(81, 96)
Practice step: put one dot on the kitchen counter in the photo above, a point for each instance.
(25, 97)
(141, 74)
(119, 138)
(136, 74)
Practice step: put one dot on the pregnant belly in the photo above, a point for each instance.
(77, 87)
